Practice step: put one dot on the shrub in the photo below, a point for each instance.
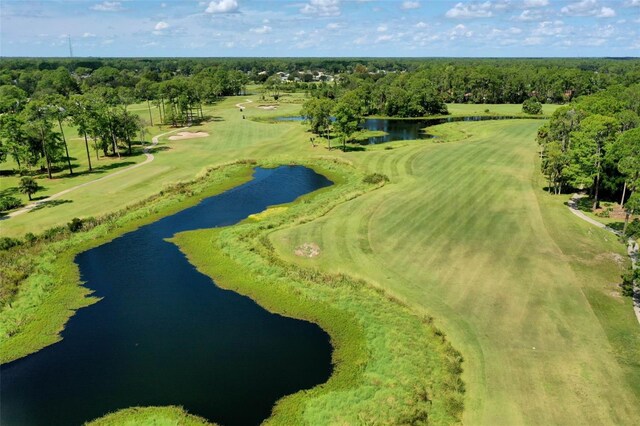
(75, 225)
(30, 237)
(7, 242)
(9, 202)
(628, 279)
(633, 229)
(532, 106)
(375, 178)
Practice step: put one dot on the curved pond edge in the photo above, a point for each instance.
(367, 326)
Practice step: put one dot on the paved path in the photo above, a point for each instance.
(150, 158)
(632, 246)
(248, 101)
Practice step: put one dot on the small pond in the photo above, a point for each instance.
(405, 129)
(164, 334)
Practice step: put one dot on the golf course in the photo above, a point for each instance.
(255, 264)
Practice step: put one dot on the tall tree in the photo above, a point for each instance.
(589, 147)
(317, 112)
(347, 113)
(80, 110)
(39, 123)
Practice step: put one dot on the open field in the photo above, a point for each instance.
(524, 289)
(463, 232)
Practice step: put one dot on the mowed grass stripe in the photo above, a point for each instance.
(464, 238)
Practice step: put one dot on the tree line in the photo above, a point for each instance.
(593, 144)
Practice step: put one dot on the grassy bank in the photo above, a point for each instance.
(34, 317)
(391, 365)
(385, 355)
(156, 416)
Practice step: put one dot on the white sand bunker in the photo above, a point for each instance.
(268, 107)
(188, 135)
(307, 250)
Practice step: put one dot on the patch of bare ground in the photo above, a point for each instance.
(307, 250)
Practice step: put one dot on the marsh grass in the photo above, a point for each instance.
(391, 366)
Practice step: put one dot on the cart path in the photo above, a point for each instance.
(149, 159)
(632, 246)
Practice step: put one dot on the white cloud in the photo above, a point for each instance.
(332, 26)
(606, 12)
(222, 6)
(88, 35)
(410, 5)
(529, 15)
(548, 28)
(322, 8)
(421, 25)
(382, 28)
(536, 3)
(633, 3)
(588, 8)
(532, 41)
(108, 6)
(459, 31)
(261, 30)
(384, 37)
(161, 26)
(470, 10)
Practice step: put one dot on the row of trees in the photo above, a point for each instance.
(594, 144)
(33, 134)
(454, 80)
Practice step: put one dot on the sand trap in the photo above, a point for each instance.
(268, 107)
(188, 135)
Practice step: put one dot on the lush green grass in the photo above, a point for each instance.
(391, 365)
(231, 138)
(383, 349)
(525, 290)
(495, 109)
(151, 416)
(463, 232)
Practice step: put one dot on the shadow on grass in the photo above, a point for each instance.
(159, 148)
(99, 169)
(352, 148)
(47, 204)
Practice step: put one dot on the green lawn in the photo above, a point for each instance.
(463, 232)
(524, 289)
(495, 109)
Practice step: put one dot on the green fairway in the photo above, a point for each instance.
(463, 232)
(231, 137)
(525, 290)
(494, 109)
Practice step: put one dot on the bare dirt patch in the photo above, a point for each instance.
(617, 258)
(188, 135)
(268, 107)
(307, 250)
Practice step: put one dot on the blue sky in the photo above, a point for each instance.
(320, 28)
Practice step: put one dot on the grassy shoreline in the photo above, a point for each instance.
(374, 359)
(46, 300)
(382, 349)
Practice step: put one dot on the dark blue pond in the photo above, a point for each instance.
(405, 129)
(164, 334)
